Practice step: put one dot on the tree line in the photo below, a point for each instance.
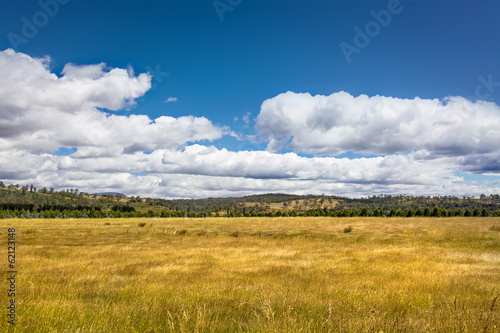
(30, 201)
(128, 213)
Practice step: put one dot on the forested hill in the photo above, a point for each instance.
(29, 201)
(269, 202)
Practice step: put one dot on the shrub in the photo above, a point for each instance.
(348, 230)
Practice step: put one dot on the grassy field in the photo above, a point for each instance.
(256, 275)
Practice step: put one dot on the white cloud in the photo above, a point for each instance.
(200, 171)
(41, 112)
(335, 124)
(171, 100)
(246, 118)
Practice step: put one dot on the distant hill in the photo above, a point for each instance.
(115, 194)
(29, 198)
(300, 203)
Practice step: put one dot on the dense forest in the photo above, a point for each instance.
(28, 201)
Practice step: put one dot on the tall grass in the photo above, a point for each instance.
(257, 275)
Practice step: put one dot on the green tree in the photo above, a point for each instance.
(364, 212)
(419, 212)
(427, 211)
(436, 212)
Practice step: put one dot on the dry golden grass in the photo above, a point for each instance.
(257, 274)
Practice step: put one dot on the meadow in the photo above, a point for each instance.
(255, 275)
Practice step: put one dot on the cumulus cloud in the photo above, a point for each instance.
(200, 171)
(29, 83)
(210, 161)
(171, 100)
(41, 112)
(335, 124)
(477, 163)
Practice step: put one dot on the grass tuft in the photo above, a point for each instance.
(180, 232)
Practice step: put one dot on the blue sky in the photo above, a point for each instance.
(224, 70)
